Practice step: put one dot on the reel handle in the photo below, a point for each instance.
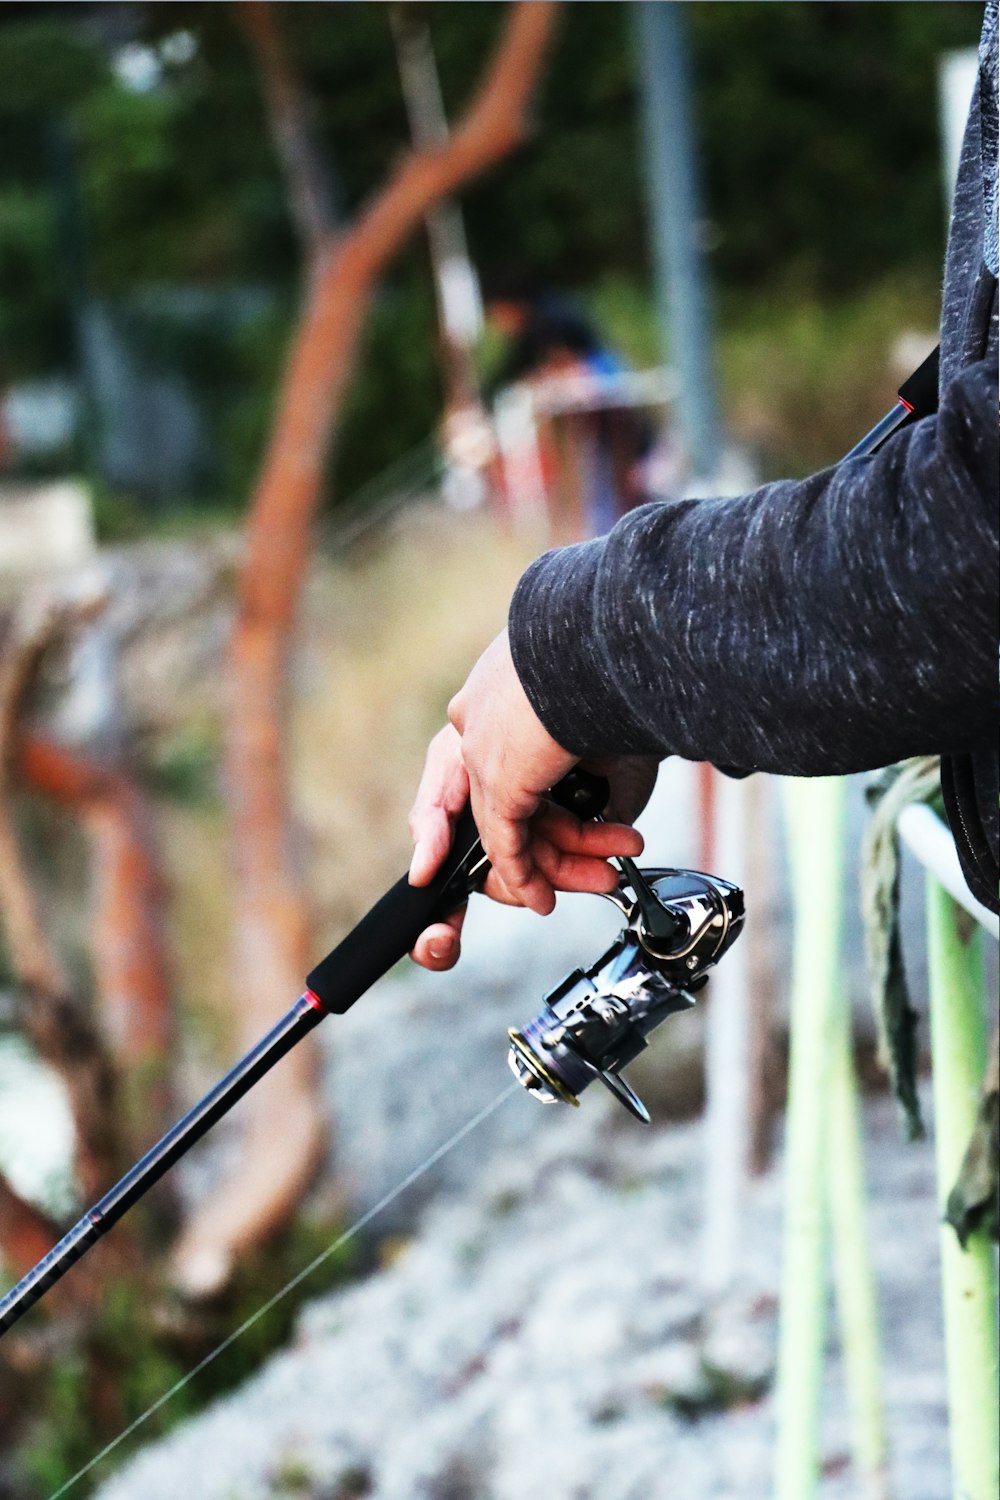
(388, 932)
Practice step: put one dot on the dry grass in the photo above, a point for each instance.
(387, 635)
(195, 860)
(387, 639)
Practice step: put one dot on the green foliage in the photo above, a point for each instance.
(568, 206)
(46, 1463)
(820, 136)
(7, 975)
(394, 399)
(715, 1389)
(132, 188)
(46, 65)
(118, 517)
(817, 123)
(255, 354)
(623, 309)
(974, 1201)
(185, 767)
(33, 321)
(119, 1356)
(805, 376)
(801, 377)
(293, 1479)
(292, 1476)
(124, 1362)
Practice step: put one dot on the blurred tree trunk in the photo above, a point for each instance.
(308, 179)
(284, 1116)
(129, 953)
(48, 1013)
(26, 1234)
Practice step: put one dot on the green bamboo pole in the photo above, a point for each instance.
(814, 815)
(969, 1281)
(854, 1274)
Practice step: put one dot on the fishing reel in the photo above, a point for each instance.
(678, 924)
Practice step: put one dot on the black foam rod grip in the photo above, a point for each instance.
(388, 932)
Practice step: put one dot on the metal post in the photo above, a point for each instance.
(727, 1046)
(968, 1277)
(676, 219)
(815, 817)
(857, 1308)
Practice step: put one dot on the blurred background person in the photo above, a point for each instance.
(591, 441)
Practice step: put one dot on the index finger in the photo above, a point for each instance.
(507, 839)
(568, 833)
(441, 795)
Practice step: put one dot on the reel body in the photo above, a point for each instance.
(596, 1021)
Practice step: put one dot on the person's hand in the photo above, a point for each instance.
(497, 751)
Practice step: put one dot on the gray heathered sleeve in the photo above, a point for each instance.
(813, 627)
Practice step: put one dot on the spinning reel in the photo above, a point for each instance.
(678, 924)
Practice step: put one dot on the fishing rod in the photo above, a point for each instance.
(917, 397)
(677, 924)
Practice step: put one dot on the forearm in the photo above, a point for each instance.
(812, 627)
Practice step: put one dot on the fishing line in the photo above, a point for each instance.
(296, 1280)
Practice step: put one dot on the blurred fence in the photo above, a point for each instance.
(824, 1178)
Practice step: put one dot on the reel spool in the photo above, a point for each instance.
(678, 924)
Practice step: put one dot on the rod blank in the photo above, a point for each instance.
(296, 1023)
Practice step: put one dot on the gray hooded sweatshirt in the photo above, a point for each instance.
(819, 626)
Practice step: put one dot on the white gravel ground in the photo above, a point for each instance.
(530, 1341)
(534, 1338)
